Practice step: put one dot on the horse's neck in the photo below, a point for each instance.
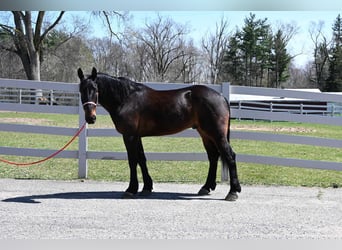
(104, 95)
(109, 96)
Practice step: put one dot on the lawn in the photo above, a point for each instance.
(172, 171)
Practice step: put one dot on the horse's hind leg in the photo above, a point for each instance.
(228, 158)
(148, 184)
(213, 156)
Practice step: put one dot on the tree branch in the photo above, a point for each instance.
(51, 26)
(38, 28)
(106, 15)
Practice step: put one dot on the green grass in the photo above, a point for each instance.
(169, 171)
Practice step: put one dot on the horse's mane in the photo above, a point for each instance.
(118, 87)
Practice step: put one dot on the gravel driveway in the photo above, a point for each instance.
(36, 209)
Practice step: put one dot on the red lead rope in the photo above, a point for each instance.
(50, 156)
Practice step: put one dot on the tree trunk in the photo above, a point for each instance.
(31, 65)
(28, 41)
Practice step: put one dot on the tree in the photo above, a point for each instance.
(233, 61)
(139, 59)
(213, 47)
(185, 69)
(256, 40)
(108, 18)
(109, 56)
(9, 63)
(334, 81)
(251, 46)
(62, 56)
(279, 60)
(299, 77)
(164, 43)
(254, 56)
(28, 36)
(321, 54)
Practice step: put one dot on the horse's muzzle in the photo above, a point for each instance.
(91, 119)
(90, 114)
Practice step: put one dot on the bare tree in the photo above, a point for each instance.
(9, 62)
(28, 36)
(321, 53)
(213, 47)
(185, 69)
(60, 64)
(109, 18)
(289, 30)
(163, 40)
(139, 58)
(299, 77)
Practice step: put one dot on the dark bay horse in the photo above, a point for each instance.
(139, 111)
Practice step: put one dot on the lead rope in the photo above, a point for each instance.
(50, 156)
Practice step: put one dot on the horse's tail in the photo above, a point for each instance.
(225, 166)
(229, 118)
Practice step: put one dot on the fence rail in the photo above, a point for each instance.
(295, 108)
(83, 154)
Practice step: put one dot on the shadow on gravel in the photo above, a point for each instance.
(34, 199)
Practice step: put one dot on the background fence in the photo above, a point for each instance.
(69, 94)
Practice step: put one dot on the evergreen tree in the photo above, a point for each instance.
(256, 57)
(249, 40)
(232, 61)
(279, 60)
(248, 54)
(334, 81)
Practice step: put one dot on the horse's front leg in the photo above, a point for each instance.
(131, 143)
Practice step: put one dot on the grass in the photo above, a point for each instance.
(169, 171)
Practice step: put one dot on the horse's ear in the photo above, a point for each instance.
(93, 74)
(80, 74)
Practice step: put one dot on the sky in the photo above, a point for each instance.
(202, 22)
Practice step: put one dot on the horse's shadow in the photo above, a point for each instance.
(106, 195)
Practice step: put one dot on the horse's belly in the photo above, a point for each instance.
(159, 128)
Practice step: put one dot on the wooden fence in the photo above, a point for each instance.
(83, 154)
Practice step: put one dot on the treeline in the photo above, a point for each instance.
(162, 51)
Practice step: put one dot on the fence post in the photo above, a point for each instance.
(239, 108)
(225, 90)
(20, 95)
(226, 93)
(82, 145)
(51, 97)
(332, 109)
(301, 108)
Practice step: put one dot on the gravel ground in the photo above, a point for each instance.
(37, 209)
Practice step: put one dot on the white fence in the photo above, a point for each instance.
(83, 154)
(295, 107)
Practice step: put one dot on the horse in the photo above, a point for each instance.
(138, 111)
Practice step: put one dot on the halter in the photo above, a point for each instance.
(93, 103)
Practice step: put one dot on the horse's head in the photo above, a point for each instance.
(89, 95)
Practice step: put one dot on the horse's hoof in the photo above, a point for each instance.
(128, 195)
(231, 197)
(203, 191)
(145, 193)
